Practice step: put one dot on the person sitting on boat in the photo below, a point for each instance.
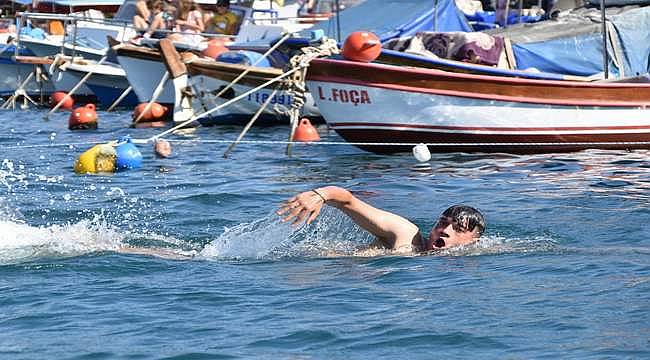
(224, 21)
(189, 23)
(189, 17)
(163, 20)
(457, 226)
(143, 15)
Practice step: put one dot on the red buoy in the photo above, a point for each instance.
(82, 118)
(214, 49)
(306, 131)
(56, 98)
(154, 113)
(362, 46)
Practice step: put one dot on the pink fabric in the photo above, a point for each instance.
(192, 18)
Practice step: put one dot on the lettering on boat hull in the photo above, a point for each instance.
(344, 96)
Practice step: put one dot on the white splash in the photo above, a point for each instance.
(332, 233)
(20, 242)
(497, 244)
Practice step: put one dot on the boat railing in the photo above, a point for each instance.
(73, 18)
(71, 23)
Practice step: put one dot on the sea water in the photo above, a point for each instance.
(563, 270)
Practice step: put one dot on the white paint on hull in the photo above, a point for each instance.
(144, 76)
(209, 87)
(389, 109)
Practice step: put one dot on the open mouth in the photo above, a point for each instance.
(439, 243)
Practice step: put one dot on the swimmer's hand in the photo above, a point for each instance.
(306, 205)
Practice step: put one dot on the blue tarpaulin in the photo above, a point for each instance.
(573, 43)
(389, 19)
(74, 3)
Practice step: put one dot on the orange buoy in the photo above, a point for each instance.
(362, 46)
(82, 118)
(214, 49)
(306, 131)
(56, 98)
(154, 113)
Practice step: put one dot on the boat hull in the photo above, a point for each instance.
(106, 82)
(389, 109)
(144, 70)
(12, 73)
(209, 77)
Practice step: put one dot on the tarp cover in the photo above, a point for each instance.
(389, 18)
(573, 43)
(608, 3)
(74, 3)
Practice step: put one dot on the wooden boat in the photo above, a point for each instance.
(389, 109)
(145, 68)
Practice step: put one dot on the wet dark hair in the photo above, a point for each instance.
(466, 217)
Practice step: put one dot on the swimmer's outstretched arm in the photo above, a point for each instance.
(392, 229)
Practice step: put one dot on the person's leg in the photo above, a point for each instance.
(139, 23)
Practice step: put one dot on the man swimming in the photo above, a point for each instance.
(458, 225)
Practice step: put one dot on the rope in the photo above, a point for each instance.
(251, 67)
(336, 143)
(297, 89)
(299, 62)
(193, 118)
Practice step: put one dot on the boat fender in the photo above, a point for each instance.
(99, 158)
(361, 46)
(421, 153)
(84, 117)
(215, 48)
(156, 112)
(127, 154)
(305, 131)
(56, 98)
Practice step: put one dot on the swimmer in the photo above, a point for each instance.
(458, 225)
(162, 148)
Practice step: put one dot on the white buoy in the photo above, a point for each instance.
(421, 153)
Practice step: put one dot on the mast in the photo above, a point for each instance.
(604, 32)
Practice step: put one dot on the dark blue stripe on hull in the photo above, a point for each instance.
(107, 95)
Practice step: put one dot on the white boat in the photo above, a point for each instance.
(85, 37)
(145, 69)
(386, 108)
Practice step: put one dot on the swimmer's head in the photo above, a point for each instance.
(162, 148)
(458, 225)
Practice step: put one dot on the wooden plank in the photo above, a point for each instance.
(36, 60)
(172, 59)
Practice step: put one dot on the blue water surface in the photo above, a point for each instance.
(562, 272)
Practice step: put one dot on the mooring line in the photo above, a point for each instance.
(337, 143)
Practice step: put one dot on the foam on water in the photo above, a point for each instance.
(20, 242)
(268, 237)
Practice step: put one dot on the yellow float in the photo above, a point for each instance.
(99, 158)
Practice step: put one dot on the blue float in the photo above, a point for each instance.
(243, 57)
(128, 155)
